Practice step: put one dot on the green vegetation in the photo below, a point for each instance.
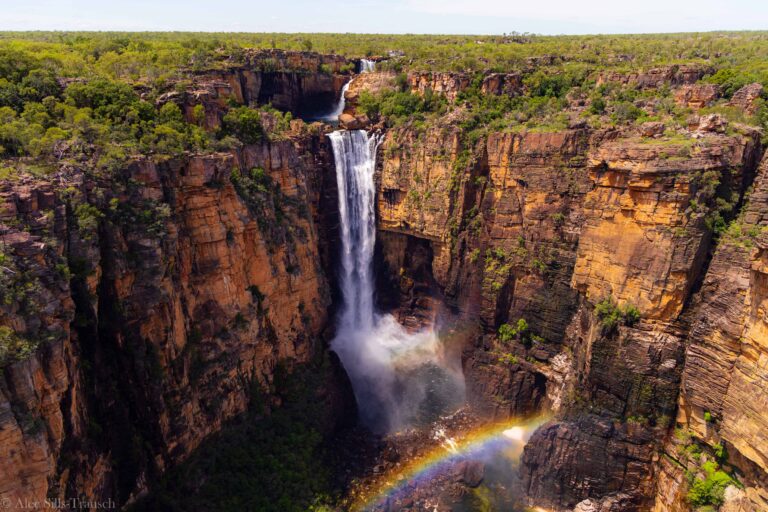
(261, 194)
(520, 332)
(731, 80)
(717, 199)
(20, 292)
(69, 97)
(707, 481)
(87, 217)
(508, 358)
(743, 235)
(99, 120)
(159, 56)
(709, 490)
(400, 106)
(97, 99)
(243, 123)
(508, 333)
(611, 315)
(14, 347)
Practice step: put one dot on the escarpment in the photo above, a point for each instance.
(302, 83)
(146, 307)
(570, 260)
(161, 302)
(722, 397)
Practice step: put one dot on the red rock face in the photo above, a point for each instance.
(746, 98)
(184, 298)
(657, 77)
(451, 84)
(697, 95)
(543, 226)
(723, 393)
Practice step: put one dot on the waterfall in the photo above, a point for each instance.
(338, 108)
(367, 66)
(355, 155)
(396, 375)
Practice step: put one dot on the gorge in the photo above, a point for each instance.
(539, 285)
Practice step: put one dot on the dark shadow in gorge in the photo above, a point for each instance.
(282, 455)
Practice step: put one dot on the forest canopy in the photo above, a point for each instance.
(95, 96)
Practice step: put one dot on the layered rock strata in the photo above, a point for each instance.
(161, 303)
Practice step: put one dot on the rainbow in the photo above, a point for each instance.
(509, 436)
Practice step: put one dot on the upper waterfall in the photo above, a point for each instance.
(367, 66)
(338, 108)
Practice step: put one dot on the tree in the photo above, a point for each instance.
(243, 123)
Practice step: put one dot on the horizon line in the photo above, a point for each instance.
(435, 34)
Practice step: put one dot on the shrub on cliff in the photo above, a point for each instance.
(14, 347)
(519, 331)
(398, 106)
(709, 490)
(243, 123)
(731, 80)
(543, 83)
(611, 315)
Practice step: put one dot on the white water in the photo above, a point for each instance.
(338, 109)
(392, 371)
(367, 66)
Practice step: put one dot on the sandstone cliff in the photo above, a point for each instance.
(722, 398)
(542, 227)
(160, 302)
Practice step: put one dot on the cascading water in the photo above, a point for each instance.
(338, 108)
(355, 155)
(395, 374)
(367, 66)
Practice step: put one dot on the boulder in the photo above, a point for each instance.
(350, 122)
(652, 129)
(586, 506)
(469, 472)
(712, 123)
(746, 98)
(697, 95)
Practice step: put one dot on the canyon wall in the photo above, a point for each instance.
(722, 397)
(147, 307)
(162, 301)
(559, 230)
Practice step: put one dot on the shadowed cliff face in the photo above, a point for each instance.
(302, 83)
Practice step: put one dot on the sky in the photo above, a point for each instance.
(388, 16)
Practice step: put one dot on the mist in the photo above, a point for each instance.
(400, 378)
